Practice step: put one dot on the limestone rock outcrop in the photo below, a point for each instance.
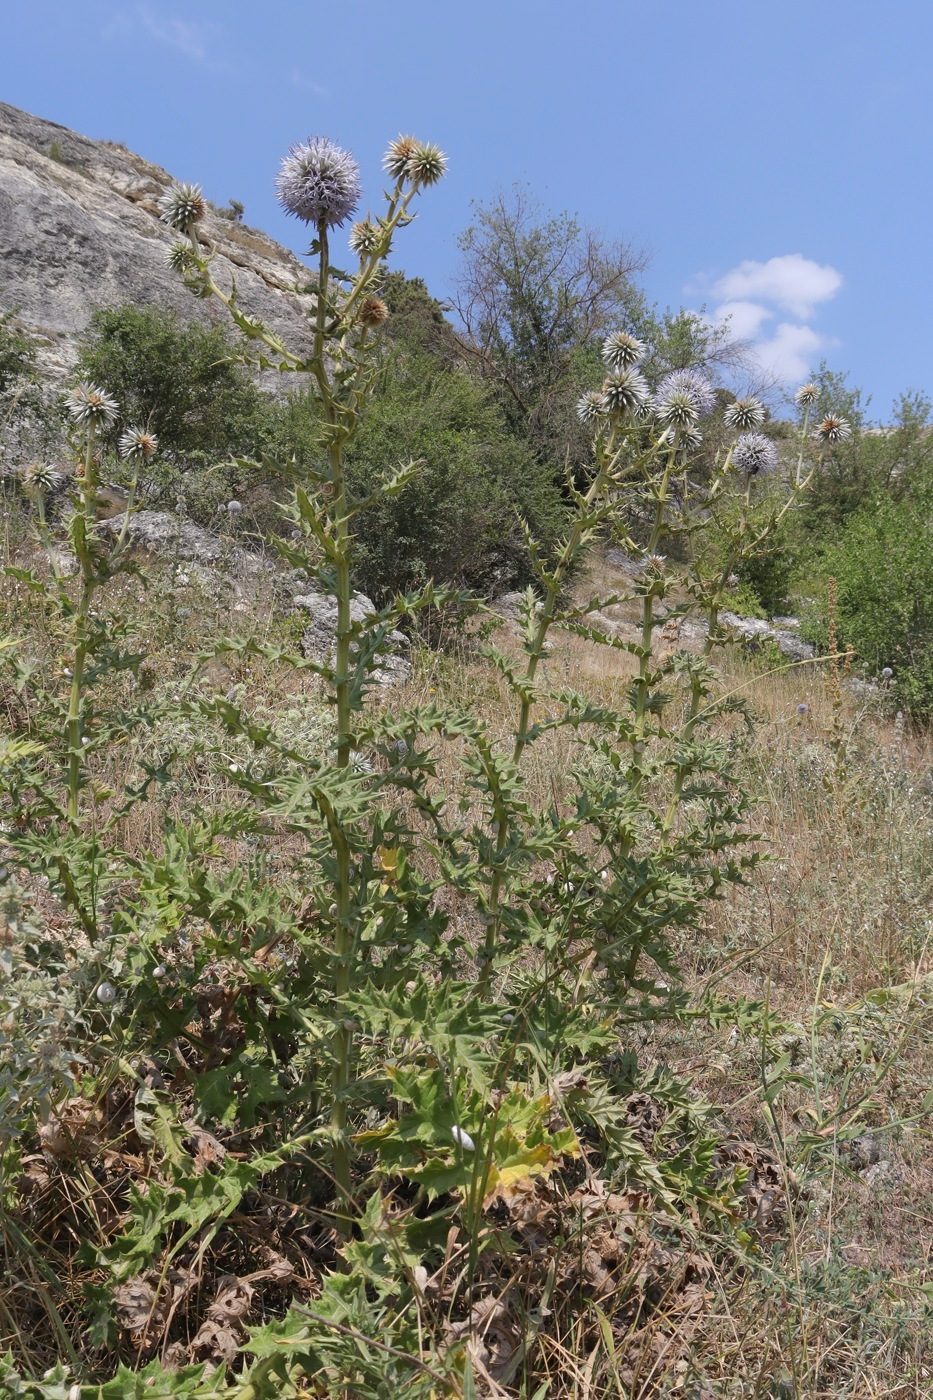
(80, 229)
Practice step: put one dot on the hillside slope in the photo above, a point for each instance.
(79, 229)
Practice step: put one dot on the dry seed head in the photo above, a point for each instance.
(807, 395)
(373, 312)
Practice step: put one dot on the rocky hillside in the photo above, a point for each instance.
(79, 229)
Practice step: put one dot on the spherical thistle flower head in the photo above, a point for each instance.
(744, 414)
(677, 409)
(591, 406)
(40, 479)
(181, 257)
(834, 428)
(182, 205)
(138, 445)
(319, 183)
(427, 165)
(692, 383)
(395, 161)
(807, 395)
(90, 407)
(754, 453)
(364, 238)
(886, 673)
(687, 437)
(622, 351)
(373, 312)
(627, 391)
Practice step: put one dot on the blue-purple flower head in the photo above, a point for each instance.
(683, 397)
(754, 454)
(622, 351)
(319, 183)
(745, 414)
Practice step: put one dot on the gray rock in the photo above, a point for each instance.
(864, 1151)
(392, 668)
(205, 556)
(755, 630)
(82, 231)
(881, 1173)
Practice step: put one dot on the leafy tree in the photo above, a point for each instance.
(536, 293)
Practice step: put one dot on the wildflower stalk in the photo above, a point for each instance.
(83, 524)
(661, 493)
(583, 525)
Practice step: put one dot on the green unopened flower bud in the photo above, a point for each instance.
(365, 237)
(427, 165)
(40, 479)
(182, 206)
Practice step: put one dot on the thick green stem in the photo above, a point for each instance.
(88, 585)
(647, 623)
(343, 939)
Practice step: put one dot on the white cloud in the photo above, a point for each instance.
(744, 317)
(753, 295)
(180, 34)
(792, 282)
(791, 352)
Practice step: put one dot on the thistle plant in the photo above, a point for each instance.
(378, 940)
(319, 184)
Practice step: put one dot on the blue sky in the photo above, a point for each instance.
(775, 158)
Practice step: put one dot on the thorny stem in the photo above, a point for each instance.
(648, 623)
(555, 582)
(85, 555)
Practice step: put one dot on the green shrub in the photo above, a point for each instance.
(458, 521)
(883, 565)
(180, 378)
